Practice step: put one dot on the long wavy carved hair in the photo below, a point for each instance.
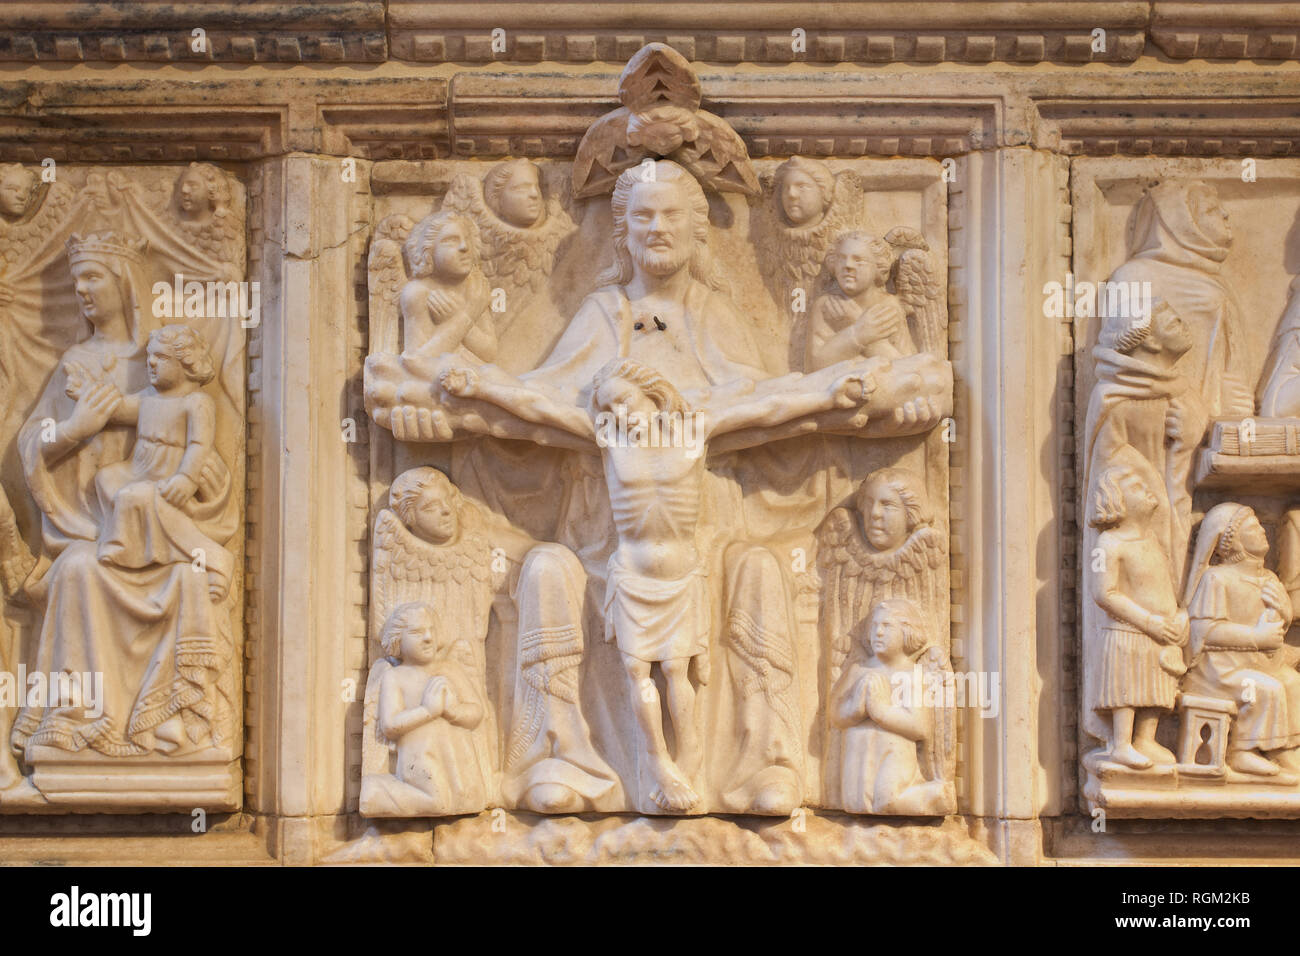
(702, 265)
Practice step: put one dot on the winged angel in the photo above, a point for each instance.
(883, 550)
(430, 550)
(519, 230)
(810, 207)
(450, 282)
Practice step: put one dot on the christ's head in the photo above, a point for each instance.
(661, 226)
(636, 387)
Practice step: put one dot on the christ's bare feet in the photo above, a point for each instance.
(671, 791)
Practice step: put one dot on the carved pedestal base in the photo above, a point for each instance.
(501, 837)
(1187, 791)
(208, 779)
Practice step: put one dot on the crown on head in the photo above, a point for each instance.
(97, 244)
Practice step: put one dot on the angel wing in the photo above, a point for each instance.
(405, 568)
(918, 284)
(16, 558)
(520, 258)
(796, 257)
(385, 276)
(376, 751)
(22, 239)
(938, 754)
(844, 590)
(855, 579)
(849, 206)
(465, 196)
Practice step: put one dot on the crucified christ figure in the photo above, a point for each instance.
(656, 607)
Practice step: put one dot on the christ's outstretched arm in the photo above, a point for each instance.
(518, 399)
(780, 400)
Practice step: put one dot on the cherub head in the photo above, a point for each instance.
(513, 190)
(804, 189)
(177, 353)
(201, 191)
(17, 190)
(891, 503)
(412, 633)
(1121, 493)
(445, 245)
(427, 503)
(895, 632)
(638, 387)
(857, 261)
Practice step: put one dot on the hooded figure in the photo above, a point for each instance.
(1181, 237)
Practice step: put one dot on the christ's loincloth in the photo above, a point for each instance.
(656, 620)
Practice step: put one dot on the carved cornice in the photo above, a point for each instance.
(760, 31)
(1210, 28)
(498, 114)
(102, 121)
(1204, 114)
(158, 31)
(1226, 112)
(717, 31)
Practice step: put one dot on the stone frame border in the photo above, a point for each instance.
(1009, 231)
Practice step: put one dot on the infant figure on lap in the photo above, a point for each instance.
(150, 502)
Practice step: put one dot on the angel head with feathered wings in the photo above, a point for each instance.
(886, 546)
(519, 227)
(428, 546)
(18, 186)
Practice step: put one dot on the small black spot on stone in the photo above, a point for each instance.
(660, 324)
(639, 326)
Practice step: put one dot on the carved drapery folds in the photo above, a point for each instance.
(650, 460)
(123, 468)
(1191, 696)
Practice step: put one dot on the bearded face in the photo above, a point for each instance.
(660, 228)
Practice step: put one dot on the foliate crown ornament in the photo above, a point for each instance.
(661, 117)
(95, 245)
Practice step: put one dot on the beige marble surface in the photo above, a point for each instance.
(417, 608)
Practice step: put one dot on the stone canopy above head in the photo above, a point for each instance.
(660, 117)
